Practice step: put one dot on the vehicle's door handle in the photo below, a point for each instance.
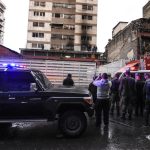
(35, 99)
(23, 102)
(11, 98)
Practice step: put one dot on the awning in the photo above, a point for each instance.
(133, 65)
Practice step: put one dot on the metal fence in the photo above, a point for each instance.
(56, 71)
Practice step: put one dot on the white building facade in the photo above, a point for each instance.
(62, 24)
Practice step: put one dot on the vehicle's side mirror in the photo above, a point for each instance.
(33, 87)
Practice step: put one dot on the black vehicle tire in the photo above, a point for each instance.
(72, 123)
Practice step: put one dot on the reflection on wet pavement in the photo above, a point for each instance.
(122, 135)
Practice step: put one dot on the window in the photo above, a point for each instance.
(36, 13)
(42, 13)
(41, 46)
(68, 47)
(90, 17)
(69, 27)
(41, 24)
(85, 17)
(34, 34)
(36, 3)
(58, 47)
(44, 80)
(84, 7)
(38, 24)
(40, 35)
(57, 5)
(68, 16)
(61, 5)
(19, 81)
(35, 24)
(57, 36)
(42, 4)
(68, 6)
(86, 38)
(68, 37)
(57, 26)
(87, 7)
(86, 27)
(57, 15)
(37, 45)
(34, 45)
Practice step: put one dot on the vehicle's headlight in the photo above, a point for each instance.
(88, 100)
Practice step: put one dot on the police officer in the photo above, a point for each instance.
(68, 80)
(103, 100)
(146, 91)
(127, 91)
(115, 95)
(139, 103)
(93, 90)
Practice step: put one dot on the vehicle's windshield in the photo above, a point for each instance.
(43, 79)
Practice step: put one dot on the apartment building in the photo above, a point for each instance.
(2, 21)
(146, 10)
(62, 25)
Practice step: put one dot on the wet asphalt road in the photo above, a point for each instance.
(122, 135)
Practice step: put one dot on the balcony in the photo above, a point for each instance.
(63, 10)
(62, 31)
(61, 41)
(63, 21)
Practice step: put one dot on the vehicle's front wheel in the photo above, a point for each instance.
(73, 123)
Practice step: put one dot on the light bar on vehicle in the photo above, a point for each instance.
(13, 65)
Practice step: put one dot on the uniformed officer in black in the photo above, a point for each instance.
(139, 103)
(68, 81)
(127, 91)
(146, 91)
(115, 95)
(93, 90)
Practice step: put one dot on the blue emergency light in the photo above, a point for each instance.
(12, 66)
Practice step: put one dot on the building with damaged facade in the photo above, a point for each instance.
(130, 43)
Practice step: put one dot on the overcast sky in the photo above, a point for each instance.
(110, 12)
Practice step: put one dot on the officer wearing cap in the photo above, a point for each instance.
(127, 92)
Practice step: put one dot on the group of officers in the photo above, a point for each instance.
(127, 96)
(123, 97)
